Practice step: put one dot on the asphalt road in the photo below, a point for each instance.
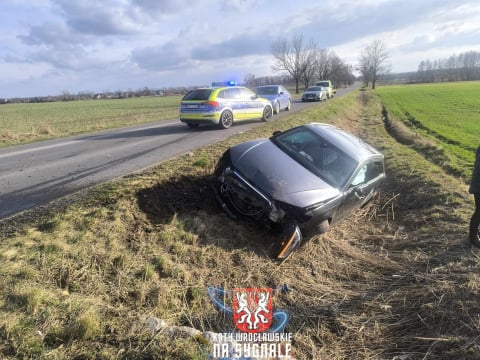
(35, 174)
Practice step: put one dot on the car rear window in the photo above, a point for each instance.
(267, 90)
(199, 94)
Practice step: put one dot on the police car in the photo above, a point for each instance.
(223, 105)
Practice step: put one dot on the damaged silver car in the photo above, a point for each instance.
(301, 181)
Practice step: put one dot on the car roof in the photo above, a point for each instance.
(352, 145)
(219, 87)
(226, 87)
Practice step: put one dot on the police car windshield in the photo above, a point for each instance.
(199, 94)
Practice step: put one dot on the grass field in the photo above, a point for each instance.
(398, 281)
(448, 114)
(21, 123)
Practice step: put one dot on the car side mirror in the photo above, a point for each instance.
(281, 93)
(254, 97)
(276, 132)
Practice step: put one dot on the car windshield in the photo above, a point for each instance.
(314, 88)
(324, 83)
(267, 90)
(316, 154)
(199, 94)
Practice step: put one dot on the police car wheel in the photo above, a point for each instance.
(226, 119)
(267, 113)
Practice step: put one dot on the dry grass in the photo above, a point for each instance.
(397, 282)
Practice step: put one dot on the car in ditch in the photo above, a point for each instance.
(314, 93)
(278, 96)
(223, 106)
(299, 182)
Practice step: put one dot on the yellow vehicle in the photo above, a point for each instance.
(223, 106)
(329, 86)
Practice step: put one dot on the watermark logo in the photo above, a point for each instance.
(252, 309)
(259, 331)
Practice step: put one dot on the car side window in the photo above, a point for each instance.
(360, 177)
(246, 94)
(368, 172)
(228, 94)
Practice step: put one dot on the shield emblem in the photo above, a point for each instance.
(252, 309)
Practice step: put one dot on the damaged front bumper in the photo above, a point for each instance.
(236, 195)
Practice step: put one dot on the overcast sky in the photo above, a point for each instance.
(48, 47)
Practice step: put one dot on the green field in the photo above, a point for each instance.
(22, 123)
(447, 114)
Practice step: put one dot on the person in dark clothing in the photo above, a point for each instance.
(475, 190)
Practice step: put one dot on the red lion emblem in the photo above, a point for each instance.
(252, 309)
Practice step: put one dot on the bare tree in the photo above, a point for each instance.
(249, 80)
(374, 61)
(295, 57)
(329, 66)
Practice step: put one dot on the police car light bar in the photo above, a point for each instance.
(224, 83)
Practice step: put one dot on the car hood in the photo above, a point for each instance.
(277, 175)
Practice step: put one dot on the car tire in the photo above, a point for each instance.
(226, 119)
(193, 125)
(289, 106)
(277, 108)
(267, 113)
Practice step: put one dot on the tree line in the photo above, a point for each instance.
(461, 67)
(305, 62)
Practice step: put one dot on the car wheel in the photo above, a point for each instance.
(226, 119)
(267, 113)
(289, 106)
(277, 108)
(193, 125)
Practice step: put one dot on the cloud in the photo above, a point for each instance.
(240, 5)
(165, 7)
(52, 34)
(100, 18)
(238, 46)
(163, 58)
